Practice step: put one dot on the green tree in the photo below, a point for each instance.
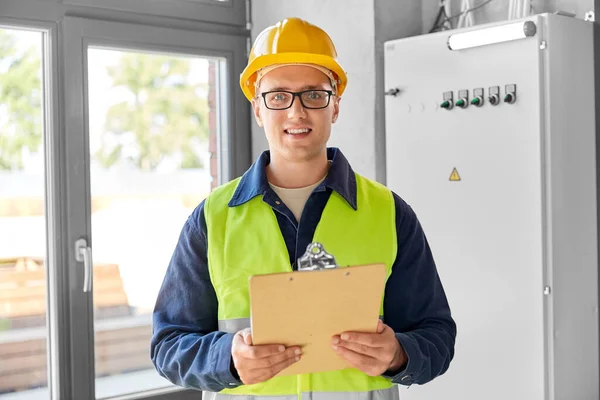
(166, 117)
(20, 101)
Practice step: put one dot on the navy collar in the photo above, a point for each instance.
(340, 178)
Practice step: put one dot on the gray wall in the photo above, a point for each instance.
(358, 29)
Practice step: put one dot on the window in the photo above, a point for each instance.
(23, 291)
(149, 132)
(113, 140)
(153, 151)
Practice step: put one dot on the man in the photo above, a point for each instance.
(296, 193)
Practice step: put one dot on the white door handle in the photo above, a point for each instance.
(83, 253)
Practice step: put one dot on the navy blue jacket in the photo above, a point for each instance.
(188, 349)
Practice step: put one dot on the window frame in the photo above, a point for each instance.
(68, 27)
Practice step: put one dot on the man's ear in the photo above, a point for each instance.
(336, 109)
(256, 109)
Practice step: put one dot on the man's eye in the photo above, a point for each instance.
(279, 97)
(314, 95)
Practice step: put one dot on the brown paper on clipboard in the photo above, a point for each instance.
(307, 308)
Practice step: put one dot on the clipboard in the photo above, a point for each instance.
(307, 307)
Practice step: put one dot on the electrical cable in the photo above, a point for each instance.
(462, 19)
(440, 19)
(447, 11)
(467, 11)
(468, 16)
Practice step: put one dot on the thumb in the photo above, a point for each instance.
(380, 326)
(247, 335)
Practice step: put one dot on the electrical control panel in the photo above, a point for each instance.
(477, 99)
(501, 172)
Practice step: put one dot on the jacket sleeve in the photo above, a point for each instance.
(186, 348)
(415, 304)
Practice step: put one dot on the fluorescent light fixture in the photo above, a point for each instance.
(496, 34)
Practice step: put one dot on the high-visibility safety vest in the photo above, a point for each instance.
(245, 240)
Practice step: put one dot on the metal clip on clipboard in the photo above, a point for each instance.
(316, 258)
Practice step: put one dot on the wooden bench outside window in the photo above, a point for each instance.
(122, 339)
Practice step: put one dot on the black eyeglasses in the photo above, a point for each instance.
(311, 99)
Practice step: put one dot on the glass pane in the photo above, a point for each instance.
(23, 336)
(153, 140)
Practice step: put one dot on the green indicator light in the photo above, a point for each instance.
(460, 103)
(475, 101)
(445, 104)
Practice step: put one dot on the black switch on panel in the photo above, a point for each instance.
(477, 97)
(511, 94)
(448, 102)
(494, 95)
(463, 99)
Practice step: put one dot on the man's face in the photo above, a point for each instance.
(282, 127)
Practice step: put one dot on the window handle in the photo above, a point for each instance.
(83, 253)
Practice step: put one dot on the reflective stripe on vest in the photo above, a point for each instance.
(234, 325)
(238, 237)
(383, 394)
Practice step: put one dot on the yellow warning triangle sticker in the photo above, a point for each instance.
(454, 176)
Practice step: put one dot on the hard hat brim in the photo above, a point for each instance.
(248, 76)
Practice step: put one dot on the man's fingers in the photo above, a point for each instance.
(268, 373)
(370, 339)
(247, 336)
(364, 363)
(367, 339)
(257, 375)
(265, 350)
(375, 352)
(250, 351)
(256, 364)
(262, 351)
(273, 361)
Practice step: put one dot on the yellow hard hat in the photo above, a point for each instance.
(291, 41)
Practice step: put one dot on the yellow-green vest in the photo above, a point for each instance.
(245, 240)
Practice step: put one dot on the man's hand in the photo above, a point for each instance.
(372, 353)
(256, 364)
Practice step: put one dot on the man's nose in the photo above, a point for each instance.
(296, 111)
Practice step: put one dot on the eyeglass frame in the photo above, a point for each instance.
(299, 95)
